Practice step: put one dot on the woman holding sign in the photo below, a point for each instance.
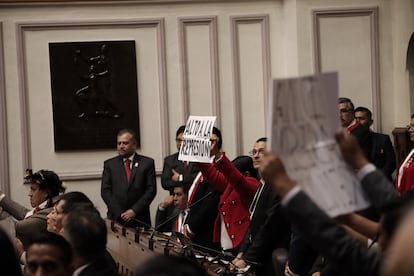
(237, 191)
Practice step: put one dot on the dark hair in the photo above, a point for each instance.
(244, 164)
(73, 199)
(217, 132)
(170, 266)
(8, 256)
(57, 241)
(412, 116)
(263, 139)
(48, 181)
(180, 130)
(185, 187)
(130, 131)
(86, 231)
(347, 101)
(364, 109)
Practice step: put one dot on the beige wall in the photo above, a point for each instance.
(199, 58)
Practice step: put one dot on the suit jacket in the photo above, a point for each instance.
(119, 195)
(405, 174)
(267, 199)
(330, 239)
(29, 228)
(167, 218)
(202, 215)
(237, 192)
(188, 172)
(363, 135)
(382, 154)
(269, 229)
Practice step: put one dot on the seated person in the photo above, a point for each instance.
(45, 187)
(86, 231)
(172, 211)
(269, 229)
(323, 233)
(66, 203)
(50, 254)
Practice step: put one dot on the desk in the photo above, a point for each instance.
(131, 248)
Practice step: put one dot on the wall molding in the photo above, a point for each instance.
(4, 163)
(89, 175)
(60, 3)
(211, 23)
(236, 21)
(372, 13)
(23, 27)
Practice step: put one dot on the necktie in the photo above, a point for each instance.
(128, 168)
(31, 213)
(179, 223)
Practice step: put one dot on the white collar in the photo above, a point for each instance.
(80, 269)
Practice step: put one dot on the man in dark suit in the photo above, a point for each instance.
(323, 233)
(364, 138)
(203, 202)
(87, 234)
(172, 211)
(382, 152)
(348, 121)
(176, 171)
(269, 228)
(128, 183)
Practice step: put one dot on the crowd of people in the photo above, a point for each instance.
(247, 211)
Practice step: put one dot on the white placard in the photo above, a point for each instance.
(196, 144)
(302, 120)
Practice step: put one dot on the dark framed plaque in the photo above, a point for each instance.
(94, 93)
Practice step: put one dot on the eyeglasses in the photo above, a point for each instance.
(410, 127)
(260, 151)
(179, 140)
(344, 110)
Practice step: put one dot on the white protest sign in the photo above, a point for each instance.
(303, 117)
(196, 144)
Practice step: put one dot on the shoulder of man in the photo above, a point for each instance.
(381, 135)
(113, 159)
(171, 157)
(143, 157)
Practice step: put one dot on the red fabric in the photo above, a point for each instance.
(407, 176)
(352, 126)
(35, 210)
(198, 181)
(128, 169)
(237, 194)
(177, 226)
